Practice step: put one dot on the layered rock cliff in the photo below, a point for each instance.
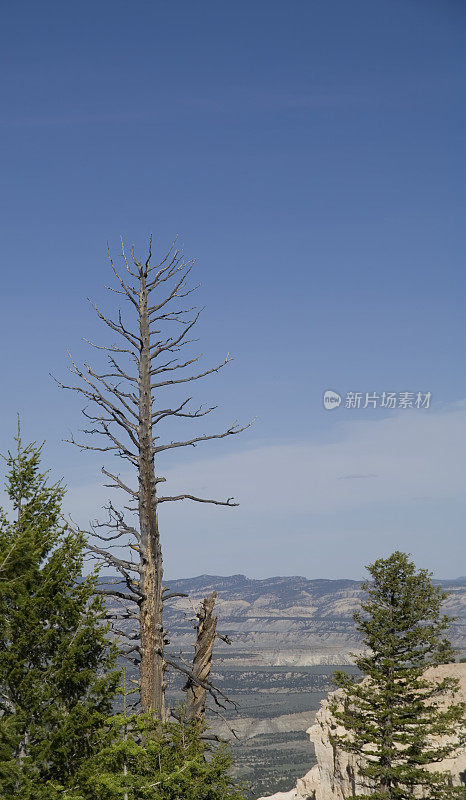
(335, 776)
(285, 621)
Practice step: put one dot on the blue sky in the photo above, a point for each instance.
(310, 157)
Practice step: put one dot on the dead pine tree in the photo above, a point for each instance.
(125, 412)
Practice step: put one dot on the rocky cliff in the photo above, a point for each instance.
(284, 621)
(335, 776)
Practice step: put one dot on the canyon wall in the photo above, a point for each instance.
(335, 776)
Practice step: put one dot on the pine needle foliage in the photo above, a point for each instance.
(398, 720)
(57, 675)
(146, 759)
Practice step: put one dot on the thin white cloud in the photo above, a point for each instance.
(412, 455)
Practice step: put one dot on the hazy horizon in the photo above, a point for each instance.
(169, 579)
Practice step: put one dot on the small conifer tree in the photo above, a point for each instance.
(57, 676)
(147, 759)
(398, 719)
(143, 758)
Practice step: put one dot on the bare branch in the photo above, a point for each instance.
(119, 447)
(116, 520)
(193, 377)
(121, 371)
(214, 691)
(122, 595)
(172, 316)
(112, 349)
(121, 616)
(233, 430)
(113, 390)
(117, 327)
(168, 368)
(119, 483)
(121, 564)
(127, 290)
(160, 347)
(157, 416)
(133, 649)
(123, 253)
(97, 397)
(175, 266)
(197, 499)
(130, 636)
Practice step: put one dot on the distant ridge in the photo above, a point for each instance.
(239, 578)
(285, 619)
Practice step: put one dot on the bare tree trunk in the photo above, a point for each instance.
(125, 729)
(152, 665)
(152, 662)
(202, 661)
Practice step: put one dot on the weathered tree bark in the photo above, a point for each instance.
(152, 667)
(128, 414)
(196, 693)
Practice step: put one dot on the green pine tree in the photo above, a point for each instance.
(142, 758)
(57, 676)
(146, 759)
(391, 716)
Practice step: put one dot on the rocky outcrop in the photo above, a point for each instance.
(283, 620)
(335, 776)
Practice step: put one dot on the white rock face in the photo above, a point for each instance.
(335, 776)
(293, 795)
